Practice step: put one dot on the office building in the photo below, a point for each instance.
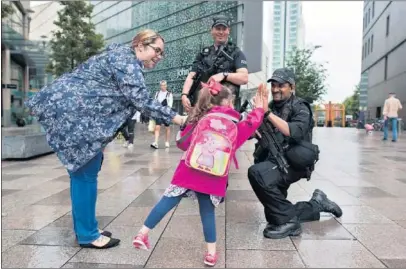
(383, 56)
(22, 61)
(185, 27)
(42, 21)
(288, 31)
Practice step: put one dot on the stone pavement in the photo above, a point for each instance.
(364, 175)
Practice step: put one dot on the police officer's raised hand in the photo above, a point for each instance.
(265, 96)
(186, 103)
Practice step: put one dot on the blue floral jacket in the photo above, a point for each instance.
(82, 111)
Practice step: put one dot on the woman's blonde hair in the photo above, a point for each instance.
(146, 37)
(207, 100)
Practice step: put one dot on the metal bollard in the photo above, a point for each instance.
(400, 126)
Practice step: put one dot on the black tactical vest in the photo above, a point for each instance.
(223, 64)
(286, 112)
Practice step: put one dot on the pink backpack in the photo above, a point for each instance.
(213, 144)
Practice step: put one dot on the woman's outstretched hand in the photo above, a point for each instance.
(179, 120)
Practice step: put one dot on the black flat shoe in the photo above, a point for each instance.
(112, 243)
(106, 233)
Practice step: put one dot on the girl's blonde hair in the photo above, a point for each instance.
(207, 100)
(146, 37)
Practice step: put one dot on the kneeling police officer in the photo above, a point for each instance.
(283, 155)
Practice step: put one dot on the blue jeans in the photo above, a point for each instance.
(83, 193)
(394, 122)
(206, 214)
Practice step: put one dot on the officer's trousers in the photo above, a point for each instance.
(271, 188)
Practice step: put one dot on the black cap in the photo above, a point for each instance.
(221, 20)
(283, 75)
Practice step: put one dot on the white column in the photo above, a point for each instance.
(6, 92)
(26, 82)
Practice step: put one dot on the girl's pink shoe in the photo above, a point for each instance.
(141, 241)
(210, 259)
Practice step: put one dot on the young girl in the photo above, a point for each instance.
(210, 190)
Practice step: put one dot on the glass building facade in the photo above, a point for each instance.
(184, 25)
(22, 61)
(288, 31)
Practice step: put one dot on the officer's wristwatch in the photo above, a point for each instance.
(225, 74)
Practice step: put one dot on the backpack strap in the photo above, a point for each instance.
(233, 119)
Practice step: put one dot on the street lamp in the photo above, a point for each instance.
(44, 37)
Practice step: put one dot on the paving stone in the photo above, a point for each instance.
(326, 229)
(366, 192)
(336, 253)
(362, 214)
(263, 259)
(385, 241)
(5, 192)
(247, 212)
(239, 184)
(10, 177)
(148, 198)
(23, 256)
(52, 236)
(99, 265)
(135, 217)
(241, 195)
(395, 263)
(187, 253)
(10, 238)
(190, 227)
(66, 221)
(189, 207)
(401, 223)
(34, 217)
(60, 198)
(392, 208)
(249, 236)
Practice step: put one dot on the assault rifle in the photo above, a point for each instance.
(203, 75)
(268, 144)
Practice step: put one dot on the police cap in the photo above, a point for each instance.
(221, 20)
(283, 75)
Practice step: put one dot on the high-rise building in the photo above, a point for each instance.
(288, 31)
(42, 21)
(383, 68)
(185, 27)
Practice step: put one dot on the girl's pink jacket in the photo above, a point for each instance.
(195, 180)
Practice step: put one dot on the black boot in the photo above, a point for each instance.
(291, 228)
(325, 204)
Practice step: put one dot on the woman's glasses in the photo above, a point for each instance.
(158, 51)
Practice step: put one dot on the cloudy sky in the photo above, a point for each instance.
(337, 27)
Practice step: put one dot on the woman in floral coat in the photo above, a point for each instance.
(83, 110)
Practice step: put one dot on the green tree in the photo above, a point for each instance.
(310, 76)
(351, 103)
(6, 10)
(75, 40)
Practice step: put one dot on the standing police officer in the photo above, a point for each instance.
(291, 118)
(229, 67)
